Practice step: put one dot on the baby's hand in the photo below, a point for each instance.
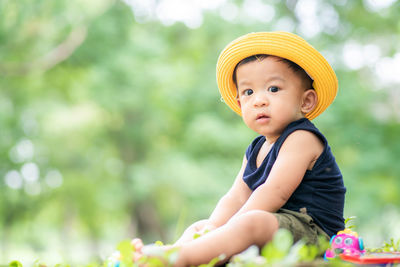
(137, 244)
(204, 230)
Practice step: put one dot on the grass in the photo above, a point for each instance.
(279, 252)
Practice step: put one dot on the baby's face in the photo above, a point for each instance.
(270, 95)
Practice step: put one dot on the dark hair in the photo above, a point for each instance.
(293, 66)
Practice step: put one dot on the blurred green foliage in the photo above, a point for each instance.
(112, 125)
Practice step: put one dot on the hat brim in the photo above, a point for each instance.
(285, 45)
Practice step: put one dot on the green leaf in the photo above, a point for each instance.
(126, 249)
(283, 240)
(15, 264)
(196, 235)
(279, 247)
(159, 243)
(349, 219)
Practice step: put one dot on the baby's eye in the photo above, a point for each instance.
(248, 92)
(273, 89)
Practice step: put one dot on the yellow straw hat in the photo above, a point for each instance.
(285, 45)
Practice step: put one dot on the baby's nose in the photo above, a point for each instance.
(260, 99)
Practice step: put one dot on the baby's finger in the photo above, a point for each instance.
(137, 243)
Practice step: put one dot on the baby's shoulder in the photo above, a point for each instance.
(303, 142)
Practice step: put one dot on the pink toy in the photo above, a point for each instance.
(345, 242)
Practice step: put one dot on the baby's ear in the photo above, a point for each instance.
(238, 101)
(310, 100)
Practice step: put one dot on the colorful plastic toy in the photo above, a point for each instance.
(385, 259)
(347, 246)
(345, 242)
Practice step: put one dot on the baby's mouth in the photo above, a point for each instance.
(262, 116)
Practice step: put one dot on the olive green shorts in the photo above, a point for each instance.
(301, 225)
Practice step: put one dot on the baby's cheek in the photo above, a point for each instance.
(245, 114)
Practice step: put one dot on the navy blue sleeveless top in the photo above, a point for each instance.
(321, 191)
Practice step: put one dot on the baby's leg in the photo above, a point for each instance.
(251, 228)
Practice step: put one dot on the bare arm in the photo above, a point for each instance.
(297, 154)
